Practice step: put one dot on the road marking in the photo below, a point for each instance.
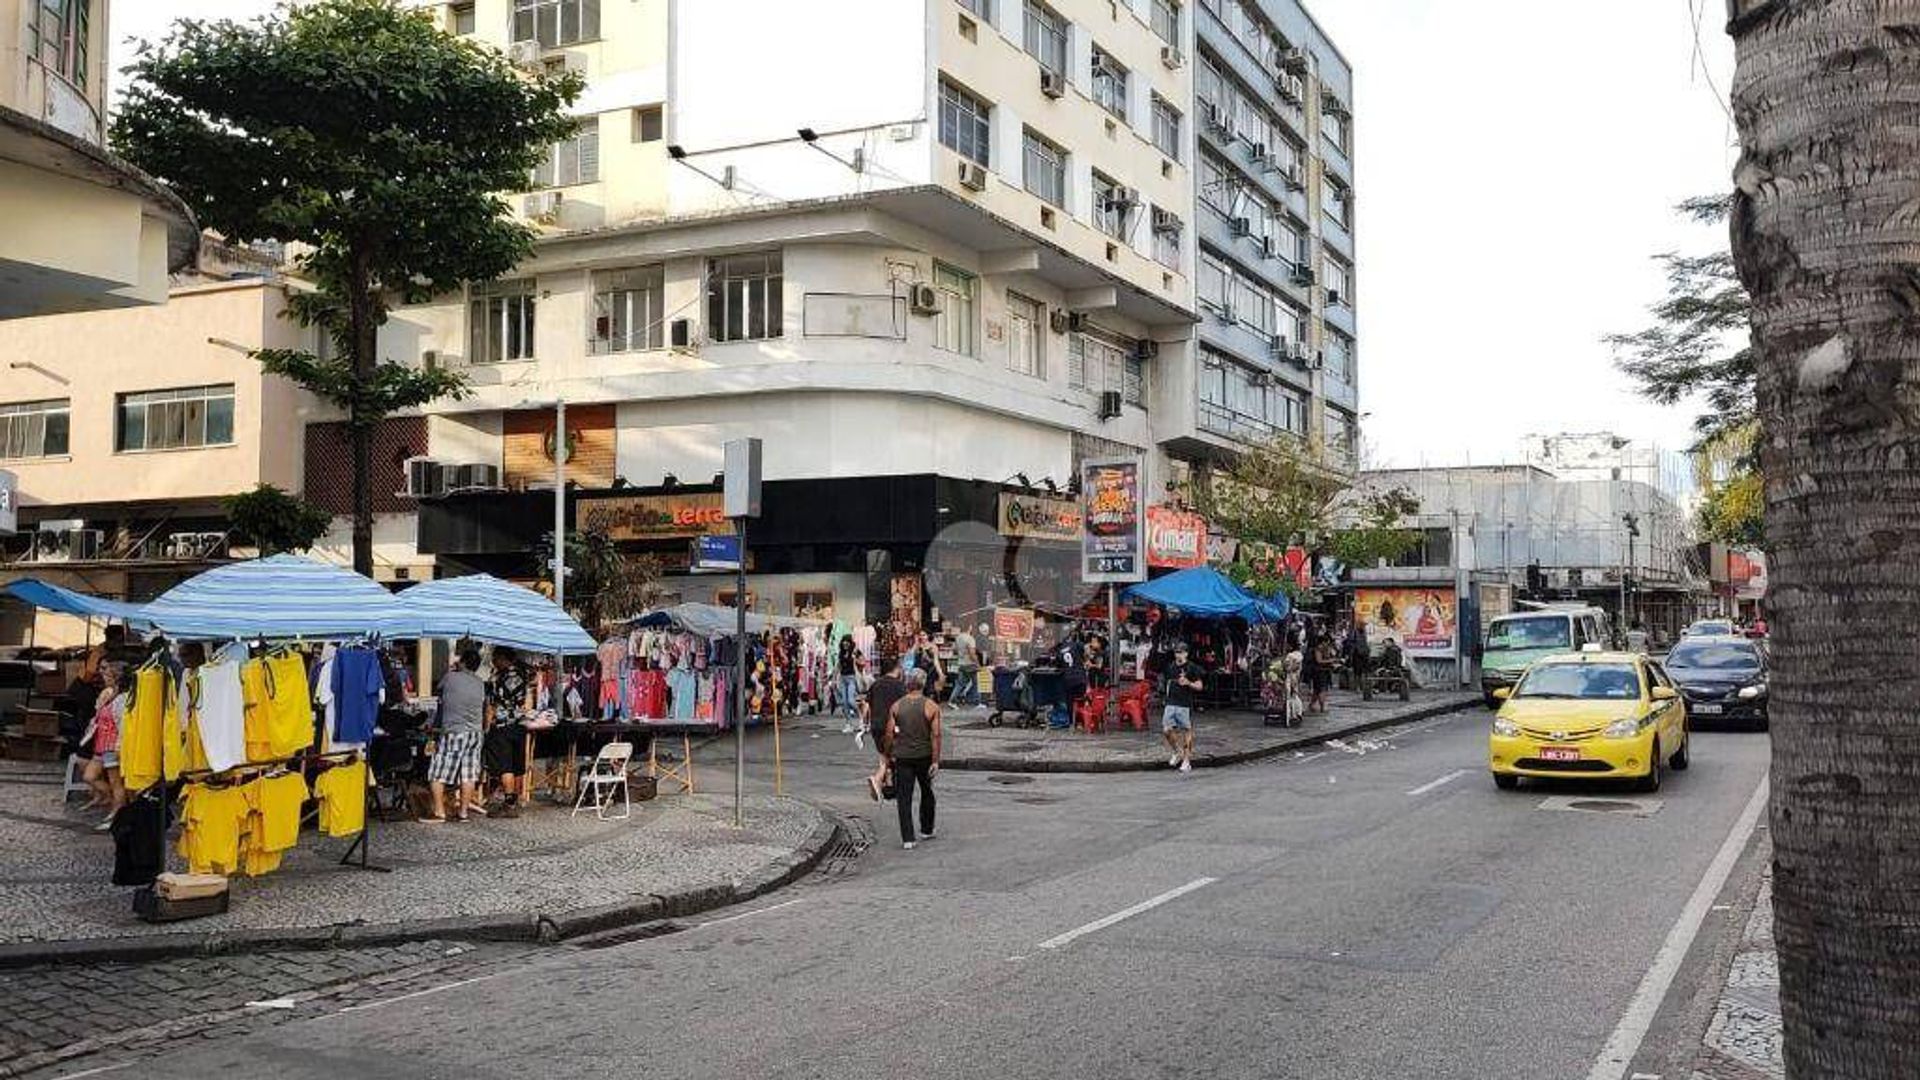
(95, 1072)
(1127, 913)
(421, 993)
(1626, 1038)
(748, 914)
(1431, 784)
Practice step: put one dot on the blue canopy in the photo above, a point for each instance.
(483, 607)
(1208, 593)
(54, 598)
(282, 596)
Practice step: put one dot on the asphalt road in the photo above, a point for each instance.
(1339, 915)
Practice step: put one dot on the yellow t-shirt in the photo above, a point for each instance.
(275, 802)
(173, 737)
(253, 696)
(342, 791)
(214, 818)
(289, 705)
(140, 732)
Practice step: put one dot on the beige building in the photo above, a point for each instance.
(83, 230)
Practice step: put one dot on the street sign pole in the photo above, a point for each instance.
(740, 496)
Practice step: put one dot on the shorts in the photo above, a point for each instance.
(109, 759)
(506, 750)
(457, 759)
(1176, 718)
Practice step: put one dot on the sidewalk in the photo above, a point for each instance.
(1743, 1040)
(543, 876)
(1221, 737)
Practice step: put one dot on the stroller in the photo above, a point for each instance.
(1011, 698)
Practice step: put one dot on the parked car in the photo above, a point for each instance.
(1722, 678)
(1516, 640)
(1591, 715)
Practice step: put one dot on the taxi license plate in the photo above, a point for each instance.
(1709, 710)
(1559, 753)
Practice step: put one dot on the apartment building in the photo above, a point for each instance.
(82, 229)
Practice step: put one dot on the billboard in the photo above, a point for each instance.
(1425, 620)
(1113, 532)
(1039, 517)
(1014, 625)
(1175, 538)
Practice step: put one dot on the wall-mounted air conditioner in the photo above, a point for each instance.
(524, 54)
(924, 299)
(973, 176)
(426, 478)
(1109, 404)
(1053, 84)
(1172, 57)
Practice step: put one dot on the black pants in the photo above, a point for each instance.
(906, 773)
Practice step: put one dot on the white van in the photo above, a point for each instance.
(1516, 640)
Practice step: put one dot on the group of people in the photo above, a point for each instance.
(480, 731)
(904, 724)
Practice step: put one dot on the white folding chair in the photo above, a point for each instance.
(607, 775)
(72, 781)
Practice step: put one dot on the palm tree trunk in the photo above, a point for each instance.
(1826, 234)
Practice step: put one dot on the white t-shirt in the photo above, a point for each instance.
(223, 731)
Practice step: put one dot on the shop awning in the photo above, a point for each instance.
(715, 621)
(487, 609)
(279, 597)
(50, 597)
(1208, 593)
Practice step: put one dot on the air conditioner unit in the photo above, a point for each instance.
(426, 478)
(1122, 198)
(1172, 57)
(1297, 353)
(541, 206)
(1216, 118)
(1261, 379)
(1280, 348)
(1165, 221)
(524, 54)
(1294, 175)
(1239, 226)
(924, 299)
(1076, 322)
(1291, 88)
(1257, 153)
(1146, 349)
(1333, 297)
(1331, 104)
(1293, 60)
(1226, 313)
(973, 176)
(1302, 274)
(1059, 321)
(473, 478)
(1109, 404)
(1053, 84)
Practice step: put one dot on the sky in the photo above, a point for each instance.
(1516, 167)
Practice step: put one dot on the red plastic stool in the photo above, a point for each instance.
(1090, 712)
(1133, 705)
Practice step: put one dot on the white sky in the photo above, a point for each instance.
(1516, 165)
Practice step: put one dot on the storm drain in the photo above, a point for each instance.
(1616, 807)
(1037, 800)
(856, 836)
(1015, 778)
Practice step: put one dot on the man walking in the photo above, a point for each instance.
(456, 757)
(1176, 722)
(966, 664)
(886, 690)
(913, 738)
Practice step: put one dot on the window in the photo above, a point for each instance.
(953, 328)
(649, 123)
(1289, 240)
(1343, 437)
(1046, 169)
(571, 161)
(1109, 84)
(1166, 21)
(1241, 402)
(1166, 128)
(1026, 349)
(1046, 37)
(32, 429)
(173, 419)
(628, 310)
(1218, 185)
(1166, 243)
(500, 321)
(1101, 362)
(963, 123)
(556, 22)
(1337, 204)
(982, 8)
(1213, 288)
(1339, 281)
(743, 297)
(463, 19)
(57, 33)
(1340, 358)
(1111, 204)
(1333, 125)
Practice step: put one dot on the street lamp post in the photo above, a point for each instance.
(560, 540)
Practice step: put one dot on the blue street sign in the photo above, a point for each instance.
(716, 553)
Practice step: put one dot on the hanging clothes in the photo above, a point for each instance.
(143, 736)
(358, 688)
(683, 689)
(342, 792)
(139, 833)
(214, 819)
(221, 715)
(289, 705)
(254, 719)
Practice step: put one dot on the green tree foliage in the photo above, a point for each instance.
(275, 521)
(1698, 347)
(1279, 494)
(603, 582)
(379, 144)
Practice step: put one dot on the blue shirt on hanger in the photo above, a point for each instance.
(357, 686)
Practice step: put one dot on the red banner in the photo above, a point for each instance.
(1175, 538)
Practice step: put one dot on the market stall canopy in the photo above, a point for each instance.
(1208, 593)
(54, 598)
(713, 620)
(484, 608)
(282, 596)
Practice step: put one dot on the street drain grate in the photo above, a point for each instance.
(1003, 778)
(1037, 800)
(1025, 747)
(856, 836)
(1604, 806)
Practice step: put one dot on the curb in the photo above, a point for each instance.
(529, 926)
(1209, 761)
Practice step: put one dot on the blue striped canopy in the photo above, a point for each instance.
(486, 609)
(51, 597)
(1210, 594)
(282, 596)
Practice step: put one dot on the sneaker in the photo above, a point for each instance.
(873, 788)
(847, 729)
(860, 739)
(908, 846)
(926, 837)
(508, 811)
(1173, 761)
(107, 825)
(1186, 766)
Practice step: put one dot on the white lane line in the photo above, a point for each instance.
(95, 1072)
(1145, 905)
(1626, 1038)
(747, 914)
(1431, 784)
(421, 993)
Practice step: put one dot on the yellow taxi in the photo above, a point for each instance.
(1590, 714)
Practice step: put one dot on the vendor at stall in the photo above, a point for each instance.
(510, 702)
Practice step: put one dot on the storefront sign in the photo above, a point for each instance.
(653, 517)
(1175, 538)
(720, 552)
(1425, 621)
(1113, 535)
(1013, 625)
(1039, 516)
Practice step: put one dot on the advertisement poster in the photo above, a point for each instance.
(1013, 625)
(1175, 538)
(1424, 620)
(906, 596)
(1041, 517)
(1113, 538)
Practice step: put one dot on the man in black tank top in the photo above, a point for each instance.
(913, 741)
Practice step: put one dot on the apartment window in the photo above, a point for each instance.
(571, 161)
(556, 22)
(1100, 362)
(1333, 126)
(1109, 84)
(628, 310)
(1288, 321)
(463, 19)
(1166, 243)
(57, 32)
(1212, 286)
(953, 328)
(1219, 185)
(1026, 348)
(649, 123)
(32, 429)
(1289, 242)
(1209, 86)
(1340, 358)
(1337, 203)
(173, 419)
(963, 123)
(1339, 281)
(743, 297)
(500, 321)
(1046, 169)
(1112, 202)
(1046, 37)
(1342, 437)
(1166, 128)
(1166, 21)
(982, 8)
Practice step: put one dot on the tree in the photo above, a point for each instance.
(275, 521)
(1279, 494)
(603, 582)
(376, 142)
(1696, 347)
(1823, 229)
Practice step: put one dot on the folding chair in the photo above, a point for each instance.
(72, 781)
(607, 774)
